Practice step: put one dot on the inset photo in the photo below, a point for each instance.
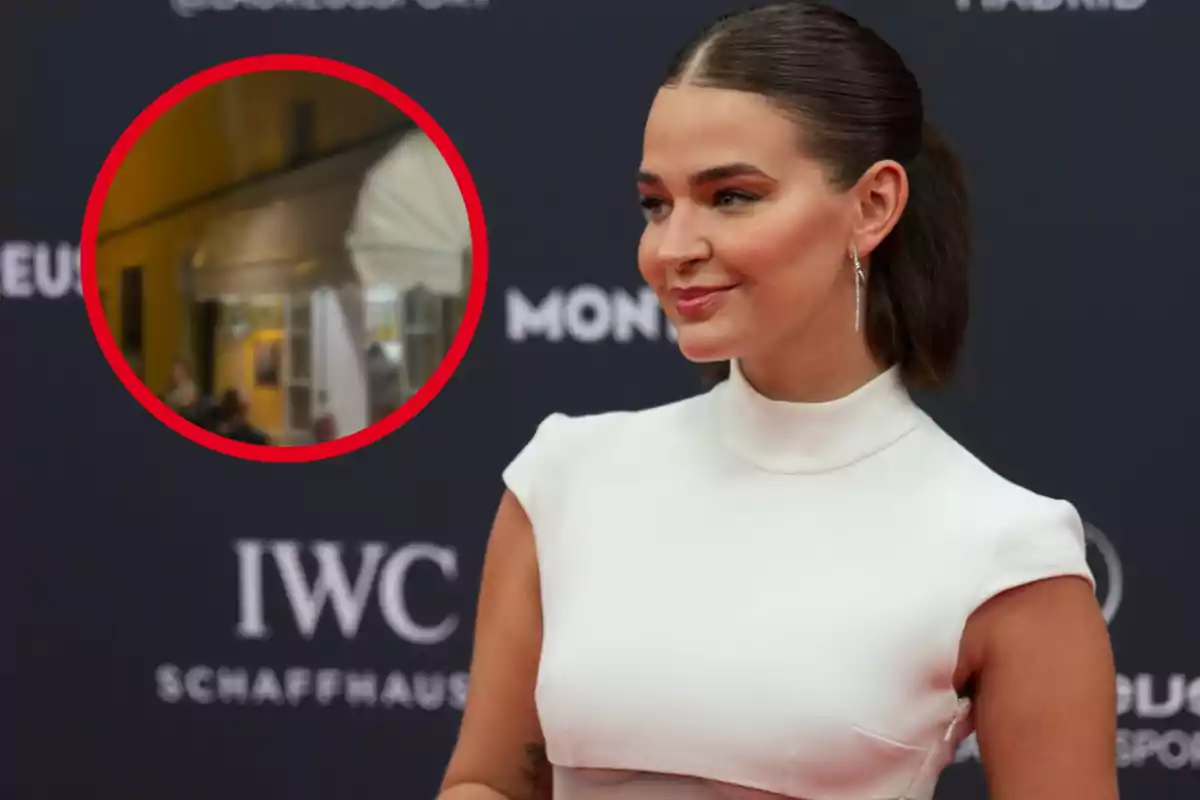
(284, 258)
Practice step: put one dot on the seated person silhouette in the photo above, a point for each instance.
(232, 422)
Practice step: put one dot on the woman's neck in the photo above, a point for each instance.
(811, 375)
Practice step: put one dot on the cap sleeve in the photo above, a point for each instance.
(528, 475)
(1048, 544)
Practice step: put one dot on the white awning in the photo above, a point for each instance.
(410, 226)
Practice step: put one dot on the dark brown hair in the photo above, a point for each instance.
(857, 103)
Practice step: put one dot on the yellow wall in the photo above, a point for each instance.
(234, 368)
(215, 138)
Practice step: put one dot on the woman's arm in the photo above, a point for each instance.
(500, 754)
(1045, 704)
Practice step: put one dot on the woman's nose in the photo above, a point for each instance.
(683, 241)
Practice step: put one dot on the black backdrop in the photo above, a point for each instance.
(135, 662)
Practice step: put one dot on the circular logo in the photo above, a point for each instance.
(1106, 567)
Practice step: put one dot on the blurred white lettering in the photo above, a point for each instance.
(1170, 749)
(1171, 697)
(191, 8)
(294, 686)
(39, 269)
(1050, 5)
(586, 314)
(334, 587)
(1145, 697)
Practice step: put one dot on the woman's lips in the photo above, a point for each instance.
(698, 302)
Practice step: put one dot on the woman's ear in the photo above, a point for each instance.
(880, 197)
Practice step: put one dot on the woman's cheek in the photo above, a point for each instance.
(652, 273)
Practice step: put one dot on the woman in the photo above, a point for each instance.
(795, 585)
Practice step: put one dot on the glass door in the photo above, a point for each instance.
(299, 394)
(423, 337)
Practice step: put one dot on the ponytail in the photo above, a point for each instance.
(918, 289)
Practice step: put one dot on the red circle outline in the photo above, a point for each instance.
(475, 297)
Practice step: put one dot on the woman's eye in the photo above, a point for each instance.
(652, 207)
(733, 198)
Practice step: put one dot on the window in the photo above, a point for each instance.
(302, 139)
(298, 326)
(423, 342)
(453, 309)
(207, 320)
(133, 311)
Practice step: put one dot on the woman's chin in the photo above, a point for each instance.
(703, 347)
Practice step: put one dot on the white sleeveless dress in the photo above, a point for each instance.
(749, 599)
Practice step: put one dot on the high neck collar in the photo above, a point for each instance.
(785, 437)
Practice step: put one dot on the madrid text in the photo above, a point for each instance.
(190, 8)
(1050, 5)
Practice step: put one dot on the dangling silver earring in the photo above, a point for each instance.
(860, 281)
